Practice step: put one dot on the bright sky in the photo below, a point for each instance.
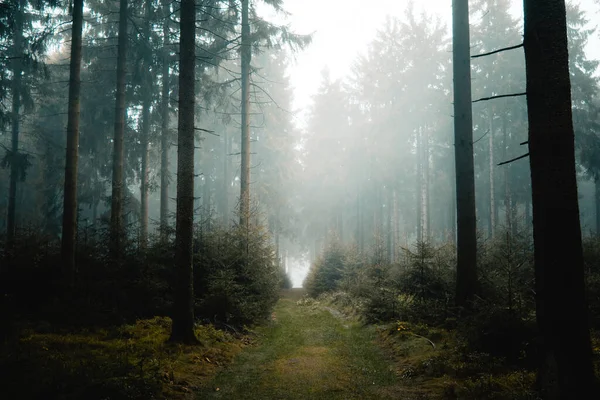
(343, 28)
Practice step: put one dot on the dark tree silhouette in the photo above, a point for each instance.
(466, 269)
(566, 370)
(183, 307)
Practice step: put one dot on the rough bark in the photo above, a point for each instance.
(491, 215)
(245, 143)
(466, 269)
(16, 115)
(164, 137)
(597, 203)
(566, 370)
(226, 180)
(116, 207)
(419, 187)
(183, 296)
(147, 99)
(69, 228)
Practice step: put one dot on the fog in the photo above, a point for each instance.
(351, 135)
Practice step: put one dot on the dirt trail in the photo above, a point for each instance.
(306, 352)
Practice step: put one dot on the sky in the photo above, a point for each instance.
(343, 28)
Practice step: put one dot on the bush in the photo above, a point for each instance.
(326, 273)
(236, 277)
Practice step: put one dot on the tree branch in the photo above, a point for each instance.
(498, 51)
(514, 159)
(500, 96)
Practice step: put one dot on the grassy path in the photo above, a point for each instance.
(308, 352)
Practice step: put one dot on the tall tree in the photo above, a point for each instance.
(466, 269)
(566, 370)
(116, 210)
(69, 230)
(183, 305)
(16, 106)
(164, 136)
(245, 172)
(147, 87)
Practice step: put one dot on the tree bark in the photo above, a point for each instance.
(566, 370)
(147, 100)
(116, 207)
(492, 223)
(419, 188)
(466, 269)
(226, 179)
(164, 137)
(597, 203)
(245, 167)
(183, 305)
(69, 228)
(16, 109)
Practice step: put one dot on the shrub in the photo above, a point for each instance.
(236, 277)
(326, 273)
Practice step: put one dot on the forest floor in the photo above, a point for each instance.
(311, 352)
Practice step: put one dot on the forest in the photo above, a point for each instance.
(171, 229)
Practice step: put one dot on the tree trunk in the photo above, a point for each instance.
(492, 224)
(419, 188)
(597, 203)
(164, 137)
(69, 228)
(426, 201)
(183, 297)
(147, 94)
(16, 108)
(116, 207)
(507, 200)
(466, 269)
(245, 168)
(226, 179)
(566, 370)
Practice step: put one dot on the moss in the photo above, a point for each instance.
(127, 362)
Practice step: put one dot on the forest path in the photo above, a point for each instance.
(309, 352)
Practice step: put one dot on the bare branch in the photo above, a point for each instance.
(514, 159)
(500, 96)
(498, 51)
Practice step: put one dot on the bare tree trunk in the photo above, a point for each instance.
(419, 187)
(245, 168)
(183, 296)
(16, 108)
(116, 207)
(164, 137)
(426, 201)
(69, 228)
(147, 93)
(466, 270)
(226, 179)
(566, 370)
(492, 224)
(507, 199)
(597, 203)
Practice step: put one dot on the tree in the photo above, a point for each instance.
(69, 231)
(116, 210)
(566, 370)
(183, 305)
(466, 247)
(164, 137)
(245, 173)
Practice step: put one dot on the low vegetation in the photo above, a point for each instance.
(489, 353)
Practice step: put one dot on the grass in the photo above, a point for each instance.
(308, 351)
(126, 362)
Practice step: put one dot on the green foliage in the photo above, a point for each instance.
(327, 272)
(236, 277)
